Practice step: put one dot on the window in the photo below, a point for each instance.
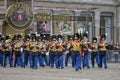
(106, 25)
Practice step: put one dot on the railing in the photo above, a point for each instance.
(113, 56)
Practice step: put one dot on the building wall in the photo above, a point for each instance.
(101, 5)
(103, 2)
(0, 26)
(108, 7)
(118, 25)
(12, 32)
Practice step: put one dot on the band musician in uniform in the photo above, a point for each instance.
(94, 53)
(1, 49)
(69, 51)
(76, 51)
(102, 51)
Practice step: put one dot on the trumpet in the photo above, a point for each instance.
(1, 46)
(102, 46)
(94, 47)
(43, 48)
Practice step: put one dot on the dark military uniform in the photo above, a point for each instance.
(33, 53)
(52, 51)
(59, 52)
(39, 45)
(1, 50)
(26, 50)
(17, 51)
(68, 51)
(102, 51)
(94, 54)
(7, 51)
(85, 48)
(43, 50)
(76, 51)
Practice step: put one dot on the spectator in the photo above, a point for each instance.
(116, 46)
(116, 51)
(110, 45)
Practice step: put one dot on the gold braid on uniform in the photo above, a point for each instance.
(76, 46)
(33, 46)
(68, 46)
(59, 46)
(102, 46)
(53, 46)
(94, 47)
(43, 48)
(27, 45)
(17, 46)
(7, 45)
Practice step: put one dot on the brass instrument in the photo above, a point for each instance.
(85, 44)
(76, 46)
(68, 47)
(94, 47)
(7, 45)
(53, 46)
(102, 46)
(17, 46)
(38, 46)
(33, 46)
(43, 47)
(59, 46)
(1, 48)
(27, 45)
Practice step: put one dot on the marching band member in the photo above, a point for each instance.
(1, 49)
(7, 51)
(52, 51)
(26, 50)
(76, 51)
(14, 39)
(17, 49)
(68, 51)
(102, 51)
(94, 54)
(59, 48)
(39, 45)
(43, 50)
(85, 47)
(33, 54)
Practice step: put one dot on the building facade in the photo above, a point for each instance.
(68, 17)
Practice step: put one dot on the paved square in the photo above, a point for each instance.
(68, 73)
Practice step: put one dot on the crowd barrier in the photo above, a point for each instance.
(113, 55)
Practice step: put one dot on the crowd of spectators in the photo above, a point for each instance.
(113, 53)
(113, 46)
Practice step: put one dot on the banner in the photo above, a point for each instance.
(43, 27)
(64, 27)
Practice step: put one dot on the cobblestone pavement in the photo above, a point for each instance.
(68, 73)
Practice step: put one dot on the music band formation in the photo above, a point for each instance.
(34, 49)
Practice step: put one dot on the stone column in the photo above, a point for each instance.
(1, 26)
(33, 28)
(117, 27)
(97, 23)
(118, 24)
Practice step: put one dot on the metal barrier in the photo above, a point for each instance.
(113, 56)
